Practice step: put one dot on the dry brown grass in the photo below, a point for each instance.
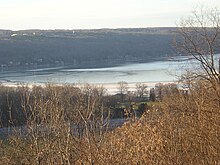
(182, 129)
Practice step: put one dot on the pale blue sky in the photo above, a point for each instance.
(87, 14)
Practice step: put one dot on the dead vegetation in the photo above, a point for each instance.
(184, 128)
(69, 127)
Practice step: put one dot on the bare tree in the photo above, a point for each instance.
(122, 89)
(141, 90)
(62, 124)
(199, 37)
(158, 90)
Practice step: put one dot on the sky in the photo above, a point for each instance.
(95, 14)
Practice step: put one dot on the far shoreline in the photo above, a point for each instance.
(111, 88)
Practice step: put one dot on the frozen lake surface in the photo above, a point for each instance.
(160, 71)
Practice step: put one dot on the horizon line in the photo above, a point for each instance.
(149, 27)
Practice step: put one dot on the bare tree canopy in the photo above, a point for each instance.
(141, 89)
(199, 37)
(122, 87)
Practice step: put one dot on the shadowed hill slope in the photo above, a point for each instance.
(83, 48)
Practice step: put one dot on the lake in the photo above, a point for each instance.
(159, 71)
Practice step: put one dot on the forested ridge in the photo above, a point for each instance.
(83, 48)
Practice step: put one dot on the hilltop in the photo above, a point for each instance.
(28, 49)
